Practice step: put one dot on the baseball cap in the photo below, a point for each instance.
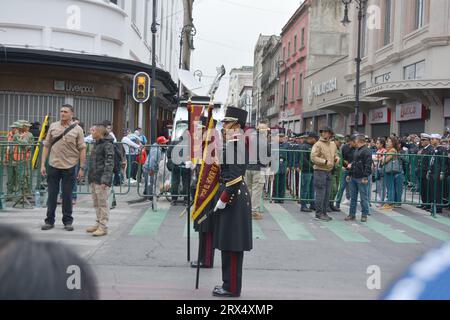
(162, 140)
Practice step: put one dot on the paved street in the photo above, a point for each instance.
(294, 256)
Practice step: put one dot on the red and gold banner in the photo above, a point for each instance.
(208, 181)
(195, 112)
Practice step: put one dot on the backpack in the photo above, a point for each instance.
(117, 158)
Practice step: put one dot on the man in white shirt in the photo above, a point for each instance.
(132, 145)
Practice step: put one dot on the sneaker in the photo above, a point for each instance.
(324, 217)
(99, 233)
(350, 218)
(305, 209)
(91, 229)
(47, 226)
(364, 219)
(68, 227)
(387, 207)
(346, 202)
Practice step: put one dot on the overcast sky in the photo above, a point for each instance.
(227, 32)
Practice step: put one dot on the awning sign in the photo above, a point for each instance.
(409, 111)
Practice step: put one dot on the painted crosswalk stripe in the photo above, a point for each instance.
(149, 223)
(293, 229)
(439, 219)
(344, 231)
(389, 232)
(419, 226)
(258, 234)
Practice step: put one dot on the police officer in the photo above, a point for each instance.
(437, 172)
(423, 170)
(233, 227)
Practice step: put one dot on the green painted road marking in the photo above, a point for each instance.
(389, 232)
(419, 226)
(149, 223)
(344, 231)
(293, 229)
(440, 219)
(257, 232)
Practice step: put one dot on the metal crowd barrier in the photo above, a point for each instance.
(409, 179)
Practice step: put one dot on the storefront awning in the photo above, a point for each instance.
(12, 55)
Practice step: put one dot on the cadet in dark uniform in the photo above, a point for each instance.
(205, 229)
(437, 172)
(423, 168)
(280, 177)
(233, 211)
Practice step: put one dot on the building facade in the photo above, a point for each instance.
(257, 76)
(270, 89)
(56, 51)
(405, 77)
(239, 79)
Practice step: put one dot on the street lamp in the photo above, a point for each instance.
(190, 30)
(361, 5)
(199, 74)
(280, 63)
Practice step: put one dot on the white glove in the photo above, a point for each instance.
(188, 165)
(220, 205)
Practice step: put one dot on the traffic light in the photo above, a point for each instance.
(141, 87)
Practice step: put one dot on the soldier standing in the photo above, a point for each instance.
(336, 173)
(233, 225)
(307, 179)
(26, 141)
(10, 162)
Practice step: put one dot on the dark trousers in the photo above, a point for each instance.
(206, 249)
(425, 191)
(66, 178)
(132, 166)
(322, 188)
(232, 271)
(436, 186)
(178, 174)
(279, 187)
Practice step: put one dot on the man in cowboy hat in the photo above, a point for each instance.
(233, 211)
(324, 156)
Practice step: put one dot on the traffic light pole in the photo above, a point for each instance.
(141, 115)
(153, 123)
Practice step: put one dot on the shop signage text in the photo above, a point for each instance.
(378, 116)
(325, 87)
(409, 111)
(74, 87)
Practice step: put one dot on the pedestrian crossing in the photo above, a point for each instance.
(30, 221)
(405, 227)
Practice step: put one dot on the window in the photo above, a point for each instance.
(302, 39)
(293, 89)
(387, 22)
(289, 49)
(300, 86)
(284, 53)
(287, 90)
(420, 13)
(295, 44)
(415, 71)
(282, 98)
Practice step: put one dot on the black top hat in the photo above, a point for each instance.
(236, 114)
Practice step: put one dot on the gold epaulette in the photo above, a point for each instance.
(233, 182)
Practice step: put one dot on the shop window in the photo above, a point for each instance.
(295, 44)
(387, 22)
(420, 14)
(302, 39)
(415, 71)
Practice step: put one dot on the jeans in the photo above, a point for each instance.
(381, 190)
(394, 186)
(54, 178)
(342, 187)
(357, 187)
(322, 188)
(179, 173)
(132, 166)
(306, 189)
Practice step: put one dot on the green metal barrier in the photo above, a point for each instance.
(408, 179)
